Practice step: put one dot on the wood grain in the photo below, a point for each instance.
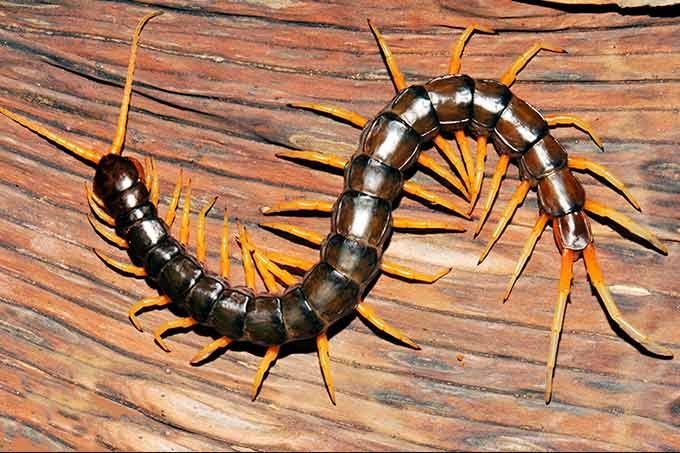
(211, 94)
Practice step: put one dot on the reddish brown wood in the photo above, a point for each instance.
(211, 90)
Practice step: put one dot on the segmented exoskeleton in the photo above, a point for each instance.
(486, 110)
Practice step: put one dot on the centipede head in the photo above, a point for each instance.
(116, 173)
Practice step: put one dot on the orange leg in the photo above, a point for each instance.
(447, 150)
(201, 249)
(172, 207)
(338, 112)
(596, 278)
(268, 268)
(536, 232)
(248, 265)
(627, 223)
(369, 315)
(107, 234)
(392, 68)
(155, 192)
(261, 264)
(325, 363)
(479, 169)
(571, 120)
(119, 139)
(583, 164)
(97, 209)
(224, 247)
(314, 156)
(204, 353)
(418, 191)
(269, 356)
(298, 205)
(186, 211)
(158, 301)
(181, 323)
(147, 172)
(406, 223)
(510, 75)
(429, 163)
(558, 319)
(457, 49)
(501, 168)
(517, 199)
(464, 148)
(126, 268)
(287, 260)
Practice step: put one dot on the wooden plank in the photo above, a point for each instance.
(211, 94)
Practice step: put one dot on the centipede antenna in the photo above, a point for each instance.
(186, 211)
(125, 268)
(574, 121)
(517, 199)
(427, 162)
(174, 201)
(479, 169)
(157, 301)
(180, 323)
(201, 249)
(458, 47)
(354, 118)
(367, 312)
(528, 249)
(583, 164)
(248, 264)
(597, 280)
(209, 349)
(97, 209)
(510, 75)
(109, 235)
(224, 247)
(119, 139)
(397, 76)
(566, 271)
(501, 168)
(269, 356)
(80, 151)
(325, 363)
(299, 205)
(627, 223)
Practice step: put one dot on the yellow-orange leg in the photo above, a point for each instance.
(447, 150)
(459, 45)
(479, 170)
(351, 117)
(369, 315)
(596, 278)
(267, 267)
(209, 349)
(510, 75)
(558, 318)
(201, 249)
(181, 323)
(174, 201)
(464, 148)
(426, 161)
(96, 206)
(147, 173)
(395, 73)
(583, 164)
(155, 192)
(388, 267)
(496, 179)
(248, 265)
(574, 121)
(536, 232)
(186, 211)
(269, 356)
(119, 138)
(627, 223)
(126, 268)
(325, 363)
(224, 247)
(517, 199)
(157, 301)
(109, 235)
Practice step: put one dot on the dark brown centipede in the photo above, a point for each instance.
(484, 109)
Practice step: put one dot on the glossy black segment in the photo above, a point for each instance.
(413, 106)
(372, 177)
(124, 221)
(572, 231)
(331, 294)
(354, 259)
(390, 141)
(545, 156)
(229, 312)
(123, 202)
(561, 193)
(519, 126)
(298, 316)
(264, 320)
(114, 174)
(144, 235)
(363, 217)
(179, 276)
(451, 95)
(201, 298)
(489, 100)
(158, 257)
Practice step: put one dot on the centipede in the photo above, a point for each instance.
(488, 112)
(125, 195)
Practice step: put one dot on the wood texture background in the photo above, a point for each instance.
(210, 96)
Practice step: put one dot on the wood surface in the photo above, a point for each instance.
(211, 94)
